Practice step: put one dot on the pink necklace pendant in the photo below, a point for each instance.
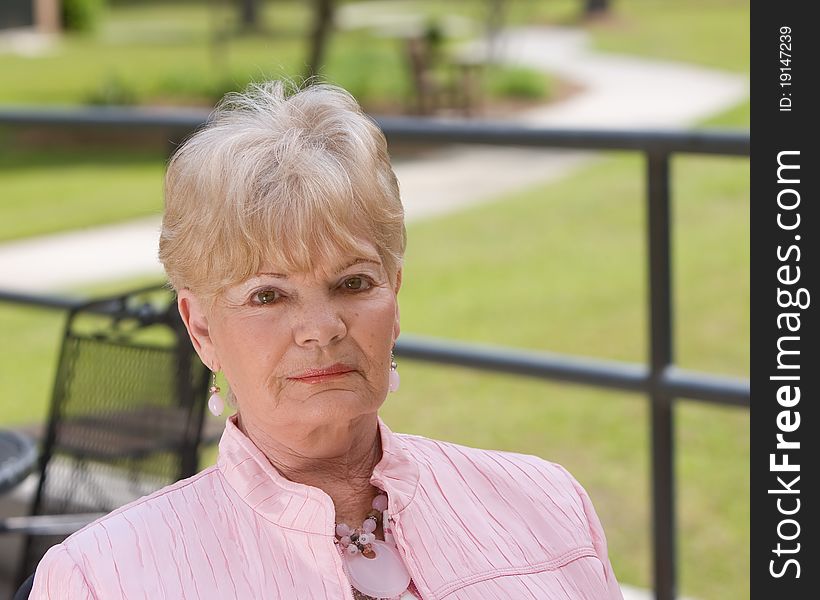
(383, 576)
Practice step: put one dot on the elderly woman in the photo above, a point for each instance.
(283, 235)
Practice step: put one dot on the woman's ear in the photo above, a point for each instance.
(192, 311)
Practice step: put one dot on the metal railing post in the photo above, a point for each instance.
(660, 358)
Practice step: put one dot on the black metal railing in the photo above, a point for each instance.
(659, 379)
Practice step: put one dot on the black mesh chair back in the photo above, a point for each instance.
(24, 591)
(127, 410)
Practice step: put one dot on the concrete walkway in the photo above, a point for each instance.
(617, 92)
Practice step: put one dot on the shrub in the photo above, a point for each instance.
(517, 82)
(81, 15)
(199, 87)
(113, 90)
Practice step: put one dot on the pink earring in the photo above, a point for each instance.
(394, 380)
(215, 402)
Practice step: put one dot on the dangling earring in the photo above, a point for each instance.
(215, 403)
(393, 380)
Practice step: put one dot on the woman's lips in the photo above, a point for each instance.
(325, 374)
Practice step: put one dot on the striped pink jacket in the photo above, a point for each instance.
(471, 525)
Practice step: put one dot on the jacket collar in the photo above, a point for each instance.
(302, 507)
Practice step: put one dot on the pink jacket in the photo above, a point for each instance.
(471, 524)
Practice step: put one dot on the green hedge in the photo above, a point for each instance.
(82, 15)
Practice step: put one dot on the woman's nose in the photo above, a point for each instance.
(319, 325)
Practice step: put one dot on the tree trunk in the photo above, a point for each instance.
(322, 23)
(249, 14)
(595, 7)
(494, 25)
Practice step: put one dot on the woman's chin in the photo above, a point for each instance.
(327, 402)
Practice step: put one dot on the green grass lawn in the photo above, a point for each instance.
(162, 52)
(711, 33)
(57, 189)
(179, 52)
(189, 53)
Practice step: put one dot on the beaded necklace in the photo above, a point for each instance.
(375, 568)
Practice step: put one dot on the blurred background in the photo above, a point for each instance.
(537, 250)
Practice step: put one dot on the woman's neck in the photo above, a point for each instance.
(337, 460)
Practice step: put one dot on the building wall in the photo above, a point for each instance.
(16, 13)
(43, 15)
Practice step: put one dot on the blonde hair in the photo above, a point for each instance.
(292, 178)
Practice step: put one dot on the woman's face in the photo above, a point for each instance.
(302, 350)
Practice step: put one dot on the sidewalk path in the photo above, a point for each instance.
(617, 92)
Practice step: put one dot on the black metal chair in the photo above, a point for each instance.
(126, 416)
(24, 591)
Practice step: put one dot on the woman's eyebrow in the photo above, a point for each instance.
(352, 263)
(358, 261)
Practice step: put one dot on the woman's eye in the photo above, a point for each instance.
(266, 296)
(356, 283)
